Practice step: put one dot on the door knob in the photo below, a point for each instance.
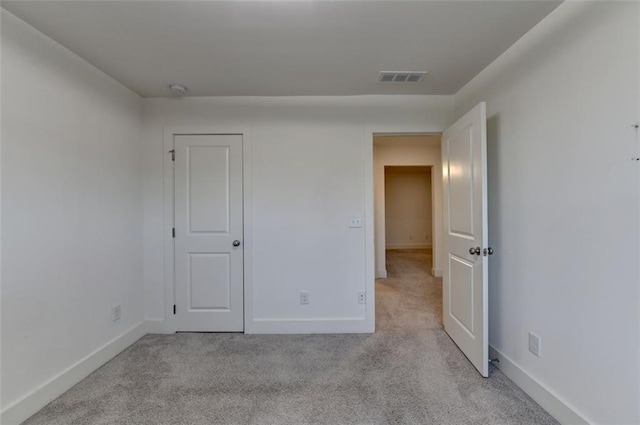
(475, 251)
(487, 251)
(236, 243)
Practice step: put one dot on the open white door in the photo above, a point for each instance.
(465, 275)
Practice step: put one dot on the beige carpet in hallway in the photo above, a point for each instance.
(410, 298)
(408, 372)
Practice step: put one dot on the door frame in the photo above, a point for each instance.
(169, 216)
(436, 243)
(369, 207)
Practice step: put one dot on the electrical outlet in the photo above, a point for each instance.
(355, 222)
(304, 297)
(117, 312)
(362, 298)
(534, 344)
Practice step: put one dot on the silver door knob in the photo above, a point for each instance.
(236, 243)
(475, 251)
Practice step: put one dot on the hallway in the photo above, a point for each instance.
(409, 298)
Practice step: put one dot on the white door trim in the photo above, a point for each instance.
(168, 218)
(369, 206)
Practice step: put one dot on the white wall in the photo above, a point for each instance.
(72, 212)
(564, 207)
(411, 151)
(311, 171)
(408, 207)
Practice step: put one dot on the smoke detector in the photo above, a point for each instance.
(178, 89)
(396, 77)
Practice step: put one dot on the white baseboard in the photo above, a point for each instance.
(287, 326)
(311, 326)
(546, 398)
(436, 272)
(381, 274)
(22, 409)
(409, 246)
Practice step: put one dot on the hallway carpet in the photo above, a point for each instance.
(409, 372)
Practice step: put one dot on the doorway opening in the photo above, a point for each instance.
(408, 206)
(408, 230)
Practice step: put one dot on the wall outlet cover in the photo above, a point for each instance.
(534, 344)
(355, 222)
(304, 297)
(116, 312)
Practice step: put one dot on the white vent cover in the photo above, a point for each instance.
(395, 77)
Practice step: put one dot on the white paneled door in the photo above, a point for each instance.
(208, 233)
(465, 277)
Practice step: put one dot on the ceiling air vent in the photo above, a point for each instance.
(411, 77)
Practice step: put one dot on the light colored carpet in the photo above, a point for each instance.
(409, 372)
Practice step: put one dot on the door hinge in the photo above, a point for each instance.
(173, 154)
(174, 309)
(173, 232)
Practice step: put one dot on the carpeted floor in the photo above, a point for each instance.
(409, 372)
